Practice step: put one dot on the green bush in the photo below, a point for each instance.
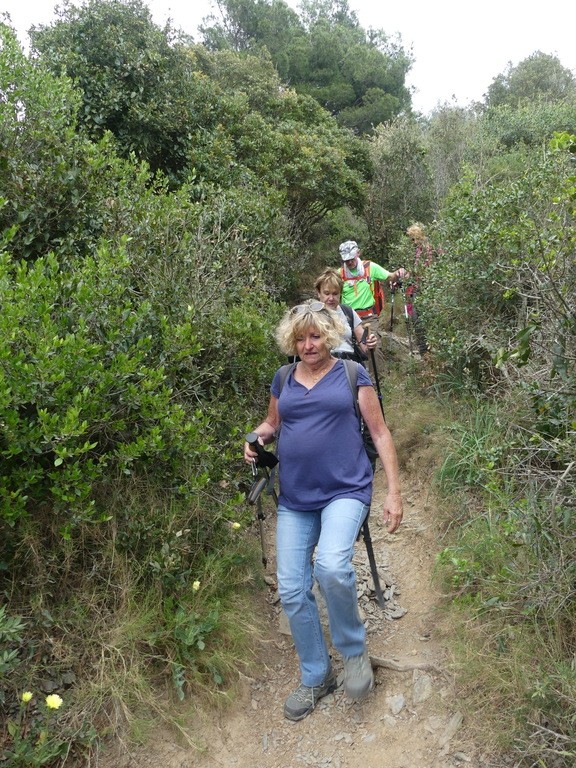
(82, 398)
(506, 262)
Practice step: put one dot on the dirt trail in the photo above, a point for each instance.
(412, 719)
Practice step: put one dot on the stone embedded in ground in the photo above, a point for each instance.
(283, 625)
(396, 703)
(422, 688)
(454, 724)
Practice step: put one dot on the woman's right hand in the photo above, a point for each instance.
(265, 431)
(249, 453)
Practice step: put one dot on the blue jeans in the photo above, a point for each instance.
(332, 532)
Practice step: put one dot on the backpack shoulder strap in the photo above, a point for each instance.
(348, 311)
(284, 371)
(351, 369)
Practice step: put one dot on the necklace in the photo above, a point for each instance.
(316, 376)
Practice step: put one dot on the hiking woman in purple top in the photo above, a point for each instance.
(325, 491)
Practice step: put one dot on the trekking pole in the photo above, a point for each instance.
(378, 390)
(393, 288)
(255, 497)
(375, 369)
(407, 318)
(372, 561)
(265, 460)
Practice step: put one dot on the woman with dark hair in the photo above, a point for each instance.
(324, 496)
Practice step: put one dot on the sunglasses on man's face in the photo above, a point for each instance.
(313, 306)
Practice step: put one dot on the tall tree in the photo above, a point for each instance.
(449, 135)
(401, 190)
(135, 81)
(288, 141)
(246, 25)
(219, 118)
(540, 77)
(357, 76)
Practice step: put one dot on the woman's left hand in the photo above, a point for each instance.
(392, 511)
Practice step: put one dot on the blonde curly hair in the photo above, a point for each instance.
(416, 232)
(299, 319)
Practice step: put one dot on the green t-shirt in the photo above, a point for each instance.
(357, 293)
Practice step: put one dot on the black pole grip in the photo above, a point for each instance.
(265, 458)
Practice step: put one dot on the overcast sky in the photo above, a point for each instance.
(459, 47)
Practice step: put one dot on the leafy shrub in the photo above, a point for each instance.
(81, 396)
(505, 252)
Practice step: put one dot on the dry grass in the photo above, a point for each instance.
(417, 424)
(128, 657)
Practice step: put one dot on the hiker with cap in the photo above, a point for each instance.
(357, 340)
(325, 493)
(362, 290)
(361, 280)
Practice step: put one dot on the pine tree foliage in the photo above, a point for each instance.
(358, 76)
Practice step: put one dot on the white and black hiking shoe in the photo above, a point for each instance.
(303, 700)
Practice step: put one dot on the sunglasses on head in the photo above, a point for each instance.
(313, 306)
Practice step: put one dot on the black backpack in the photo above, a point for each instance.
(351, 370)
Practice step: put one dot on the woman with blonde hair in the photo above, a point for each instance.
(356, 340)
(423, 254)
(325, 480)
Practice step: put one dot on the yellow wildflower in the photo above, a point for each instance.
(236, 526)
(53, 701)
(27, 696)
(196, 586)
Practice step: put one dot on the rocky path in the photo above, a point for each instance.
(412, 719)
